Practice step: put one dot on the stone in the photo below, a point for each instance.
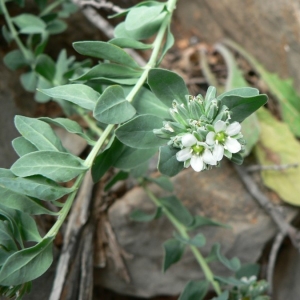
(269, 30)
(218, 194)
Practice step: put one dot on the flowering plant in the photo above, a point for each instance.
(133, 111)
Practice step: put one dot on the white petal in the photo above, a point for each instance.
(233, 128)
(184, 154)
(220, 126)
(218, 152)
(232, 145)
(208, 158)
(197, 163)
(210, 138)
(188, 140)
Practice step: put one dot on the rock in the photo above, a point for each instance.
(287, 274)
(269, 30)
(218, 194)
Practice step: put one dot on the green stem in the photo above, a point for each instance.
(183, 232)
(50, 7)
(14, 32)
(89, 160)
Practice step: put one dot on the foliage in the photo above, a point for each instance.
(141, 109)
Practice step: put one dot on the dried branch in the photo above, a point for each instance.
(284, 227)
(272, 259)
(78, 219)
(101, 4)
(255, 168)
(103, 25)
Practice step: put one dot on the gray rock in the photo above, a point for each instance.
(218, 194)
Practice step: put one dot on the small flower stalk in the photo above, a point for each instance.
(202, 130)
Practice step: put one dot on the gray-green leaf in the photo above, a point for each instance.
(79, 94)
(38, 133)
(57, 166)
(112, 106)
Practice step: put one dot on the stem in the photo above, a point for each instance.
(89, 160)
(183, 232)
(14, 32)
(50, 7)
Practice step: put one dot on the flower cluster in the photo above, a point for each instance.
(202, 130)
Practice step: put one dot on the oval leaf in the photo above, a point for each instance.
(167, 162)
(27, 264)
(167, 86)
(112, 106)
(57, 166)
(129, 43)
(173, 252)
(79, 94)
(38, 133)
(105, 50)
(23, 146)
(138, 132)
(194, 290)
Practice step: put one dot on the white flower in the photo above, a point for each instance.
(223, 138)
(195, 153)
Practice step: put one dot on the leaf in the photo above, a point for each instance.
(38, 133)
(278, 146)
(57, 26)
(109, 71)
(79, 94)
(173, 252)
(167, 46)
(69, 125)
(131, 157)
(138, 132)
(29, 81)
(106, 51)
(241, 108)
(198, 240)
(27, 264)
(29, 23)
(248, 270)
(6, 34)
(36, 186)
(57, 166)
(145, 102)
(163, 182)
(42, 84)
(194, 290)
(142, 22)
(112, 106)
(119, 156)
(229, 281)
(121, 175)
(23, 146)
(167, 86)
(200, 221)
(241, 92)
(167, 162)
(177, 209)
(14, 200)
(14, 60)
(223, 296)
(232, 264)
(140, 216)
(130, 43)
(45, 66)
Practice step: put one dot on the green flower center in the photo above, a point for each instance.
(221, 137)
(197, 149)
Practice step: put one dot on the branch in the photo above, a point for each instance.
(101, 4)
(102, 24)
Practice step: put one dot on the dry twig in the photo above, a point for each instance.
(102, 4)
(284, 227)
(103, 25)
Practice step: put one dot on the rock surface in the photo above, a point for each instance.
(269, 30)
(218, 194)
